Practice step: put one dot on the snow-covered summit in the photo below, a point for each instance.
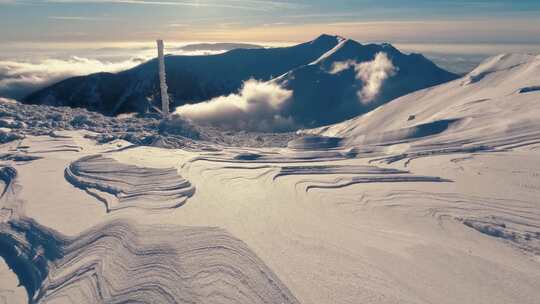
(326, 38)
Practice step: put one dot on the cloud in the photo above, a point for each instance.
(341, 66)
(33, 68)
(7, 100)
(257, 107)
(20, 78)
(372, 74)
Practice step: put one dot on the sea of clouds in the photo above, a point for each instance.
(20, 78)
(20, 75)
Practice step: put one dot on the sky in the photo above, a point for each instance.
(398, 21)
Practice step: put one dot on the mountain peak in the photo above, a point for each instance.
(325, 38)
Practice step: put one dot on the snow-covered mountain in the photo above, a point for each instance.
(495, 105)
(325, 75)
(329, 90)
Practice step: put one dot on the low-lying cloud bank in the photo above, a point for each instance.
(20, 78)
(258, 106)
(372, 74)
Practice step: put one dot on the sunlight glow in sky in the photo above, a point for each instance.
(398, 21)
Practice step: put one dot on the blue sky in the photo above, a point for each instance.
(398, 21)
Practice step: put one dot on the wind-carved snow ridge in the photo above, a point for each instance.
(287, 156)
(122, 186)
(348, 175)
(123, 262)
(514, 221)
(335, 169)
(8, 206)
(7, 176)
(120, 262)
(28, 248)
(348, 181)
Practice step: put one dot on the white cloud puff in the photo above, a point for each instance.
(341, 66)
(371, 73)
(257, 107)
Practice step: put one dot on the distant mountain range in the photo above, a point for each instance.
(218, 46)
(321, 96)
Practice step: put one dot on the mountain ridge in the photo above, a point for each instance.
(190, 78)
(303, 69)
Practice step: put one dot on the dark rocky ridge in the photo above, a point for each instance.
(190, 79)
(320, 97)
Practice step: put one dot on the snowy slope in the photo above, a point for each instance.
(495, 105)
